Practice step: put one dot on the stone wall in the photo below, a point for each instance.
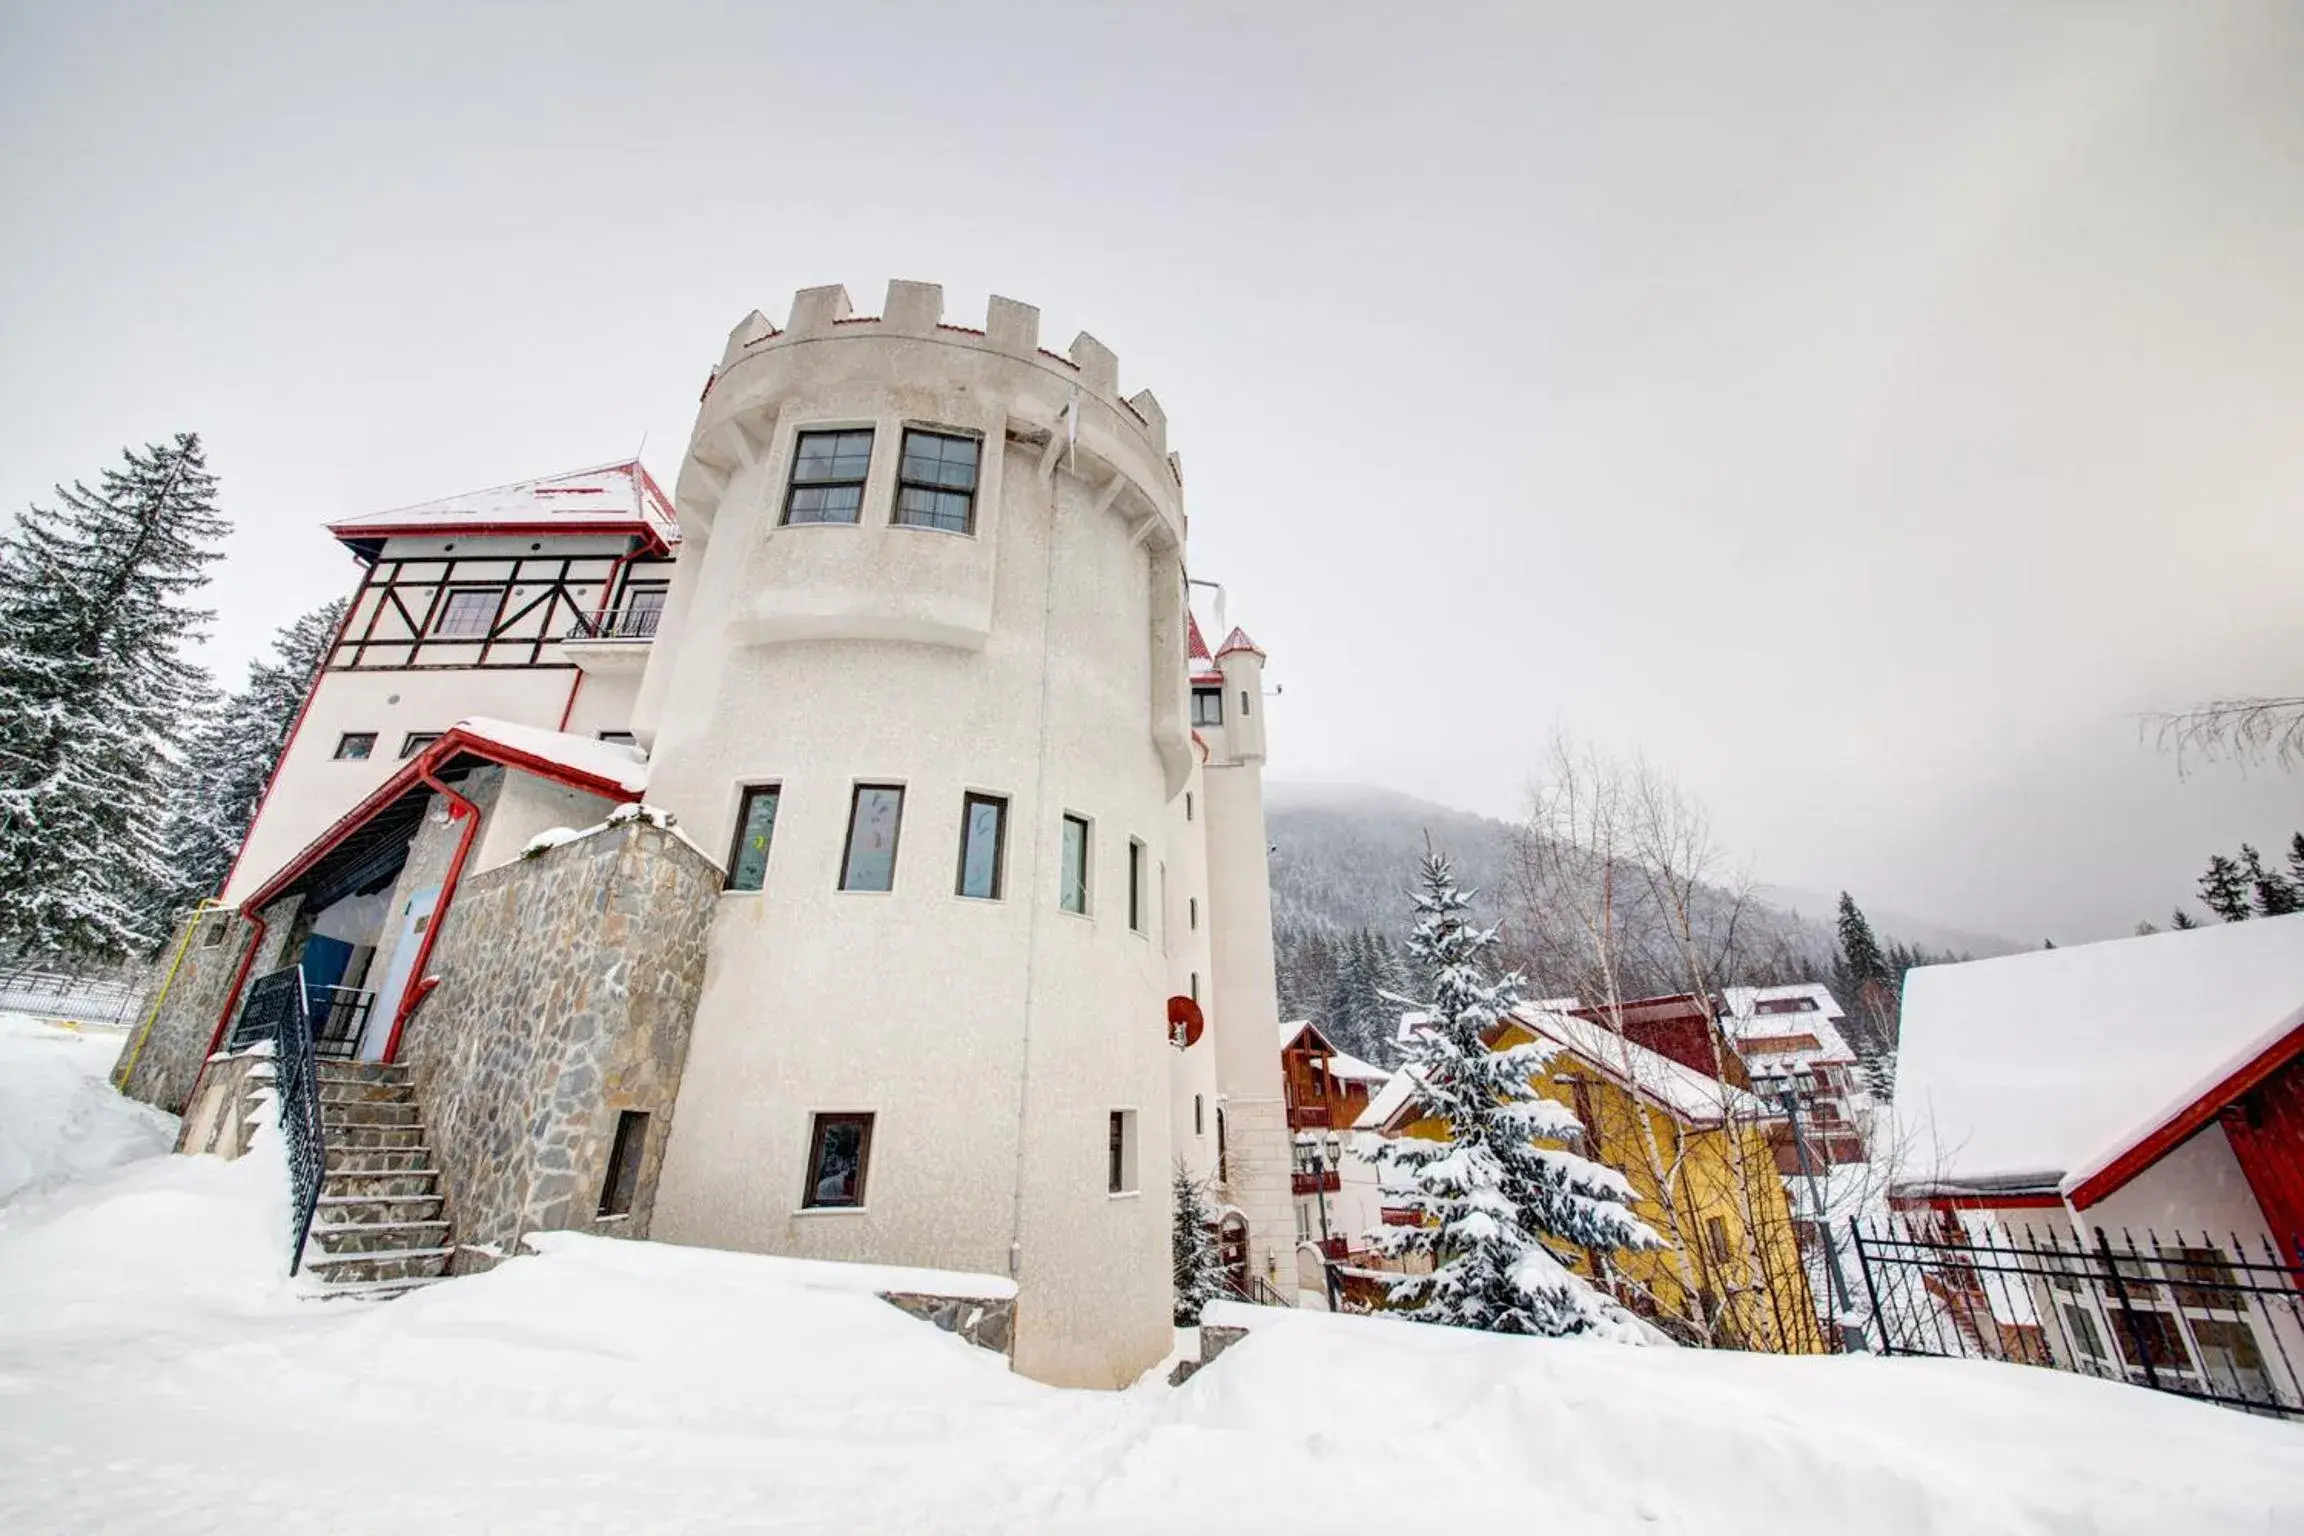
(184, 1022)
(223, 1120)
(568, 982)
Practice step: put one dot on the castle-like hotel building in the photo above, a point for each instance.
(945, 933)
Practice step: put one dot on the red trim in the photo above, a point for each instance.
(231, 1005)
(2189, 1121)
(310, 693)
(546, 524)
(575, 686)
(419, 770)
(1978, 1202)
(420, 985)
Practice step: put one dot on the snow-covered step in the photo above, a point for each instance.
(373, 1290)
(379, 1236)
(378, 1210)
(411, 1183)
(361, 1091)
(382, 1264)
(354, 1115)
(350, 1160)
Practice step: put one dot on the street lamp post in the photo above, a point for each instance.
(1332, 1145)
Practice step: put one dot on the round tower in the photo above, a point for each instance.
(921, 681)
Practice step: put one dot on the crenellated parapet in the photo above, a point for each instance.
(1075, 395)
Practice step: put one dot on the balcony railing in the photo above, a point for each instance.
(1310, 1183)
(623, 624)
(1308, 1116)
(1335, 1249)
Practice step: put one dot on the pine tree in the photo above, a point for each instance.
(2270, 891)
(94, 696)
(1192, 1249)
(234, 747)
(2296, 859)
(1860, 950)
(1493, 1205)
(2182, 919)
(2224, 890)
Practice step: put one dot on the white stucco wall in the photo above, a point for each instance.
(525, 806)
(990, 1039)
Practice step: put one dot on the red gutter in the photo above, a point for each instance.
(231, 1005)
(420, 985)
(548, 526)
(2187, 1122)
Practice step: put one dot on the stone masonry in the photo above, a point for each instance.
(568, 980)
(166, 1057)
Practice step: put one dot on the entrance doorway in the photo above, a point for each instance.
(1232, 1251)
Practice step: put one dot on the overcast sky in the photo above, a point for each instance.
(1865, 410)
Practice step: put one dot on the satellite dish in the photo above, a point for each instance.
(1185, 1023)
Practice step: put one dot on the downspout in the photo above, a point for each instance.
(231, 1002)
(200, 909)
(420, 985)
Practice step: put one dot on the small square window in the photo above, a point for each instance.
(623, 1180)
(936, 482)
(983, 837)
(1207, 709)
(1072, 890)
(354, 745)
(620, 738)
(468, 612)
(828, 470)
(415, 742)
(868, 863)
(839, 1149)
(215, 934)
(755, 828)
(1120, 1153)
(1135, 886)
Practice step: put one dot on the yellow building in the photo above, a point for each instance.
(1702, 1174)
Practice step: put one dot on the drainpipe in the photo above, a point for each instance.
(200, 910)
(231, 1003)
(419, 985)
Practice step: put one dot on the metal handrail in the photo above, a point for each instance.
(622, 624)
(277, 1010)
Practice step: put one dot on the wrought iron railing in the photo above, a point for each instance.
(276, 1011)
(2211, 1320)
(339, 1018)
(1255, 1288)
(623, 624)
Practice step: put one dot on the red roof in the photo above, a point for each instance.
(605, 499)
(1238, 641)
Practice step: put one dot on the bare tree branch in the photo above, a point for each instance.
(2240, 730)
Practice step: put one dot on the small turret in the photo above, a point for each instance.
(1241, 661)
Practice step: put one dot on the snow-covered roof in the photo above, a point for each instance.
(1768, 1029)
(2049, 1060)
(1340, 1063)
(1679, 1089)
(607, 498)
(606, 760)
(1202, 664)
(1237, 641)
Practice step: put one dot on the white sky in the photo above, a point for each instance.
(1867, 410)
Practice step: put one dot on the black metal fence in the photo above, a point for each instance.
(623, 624)
(2222, 1321)
(276, 1010)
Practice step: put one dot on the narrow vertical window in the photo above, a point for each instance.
(623, 1181)
(1187, 805)
(755, 828)
(869, 861)
(1199, 1111)
(1192, 911)
(983, 840)
(839, 1149)
(1195, 986)
(936, 482)
(1120, 1153)
(1243, 703)
(1072, 894)
(1135, 886)
(828, 471)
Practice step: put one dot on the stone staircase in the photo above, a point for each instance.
(381, 1226)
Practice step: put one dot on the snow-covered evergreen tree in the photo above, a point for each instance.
(1496, 1206)
(228, 762)
(2224, 890)
(95, 695)
(1192, 1248)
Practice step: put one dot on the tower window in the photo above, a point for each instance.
(1187, 805)
(1120, 1153)
(839, 1148)
(623, 1181)
(874, 816)
(828, 471)
(755, 829)
(983, 840)
(1243, 703)
(1207, 708)
(1199, 1115)
(469, 612)
(1192, 912)
(1072, 890)
(936, 482)
(354, 745)
(1135, 886)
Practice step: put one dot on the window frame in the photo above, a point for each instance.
(819, 1122)
(347, 738)
(1136, 903)
(620, 1178)
(1123, 1168)
(416, 741)
(793, 484)
(745, 794)
(848, 839)
(1200, 717)
(969, 800)
(904, 482)
(438, 628)
(1087, 828)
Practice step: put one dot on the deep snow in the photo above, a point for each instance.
(158, 1372)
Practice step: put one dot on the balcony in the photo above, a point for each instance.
(615, 642)
(1308, 1117)
(1334, 1249)
(1313, 1183)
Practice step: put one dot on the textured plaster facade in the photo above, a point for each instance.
(567, 984)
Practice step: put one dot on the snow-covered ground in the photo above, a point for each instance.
(157, 1372)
